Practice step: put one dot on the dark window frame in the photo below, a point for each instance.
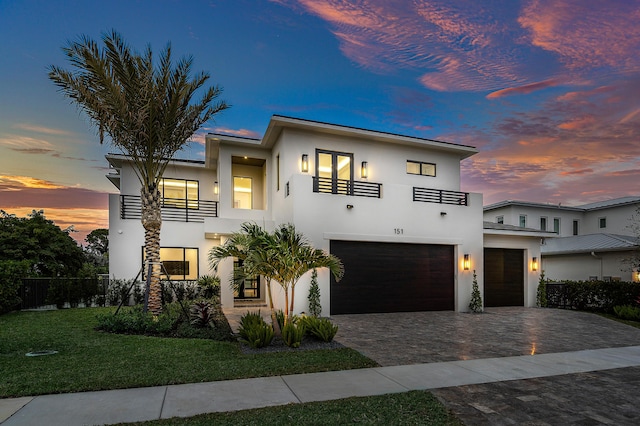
(421, 164)
(175, 277)
(335, 187)
(188, 203)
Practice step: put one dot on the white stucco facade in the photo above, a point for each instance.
(282, 192)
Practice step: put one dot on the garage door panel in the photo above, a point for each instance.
(503, 277)
(389, 277)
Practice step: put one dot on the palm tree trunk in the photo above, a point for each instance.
(286, 306)
(151, 219)
(274, 318)
(293, 296)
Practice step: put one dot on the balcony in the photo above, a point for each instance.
(173, 209)
(440, 196)
(347, 187)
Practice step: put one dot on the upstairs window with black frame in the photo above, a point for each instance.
(179, 193)
(334, 172)
(421, 168)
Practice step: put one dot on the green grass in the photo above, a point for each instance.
(92, 360)
(635, 324)
(409, 408)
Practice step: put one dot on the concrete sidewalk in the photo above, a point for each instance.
(131, 405)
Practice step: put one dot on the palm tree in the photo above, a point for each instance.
(283, 256)
(146, 111)
(251, 245)
(294, 256)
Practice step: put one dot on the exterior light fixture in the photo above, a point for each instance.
(534, 264)
(216, 188)
(305, 163)
(466, 262)
(349, 206)
(364, 172)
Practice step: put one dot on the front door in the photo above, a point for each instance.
(248, 288)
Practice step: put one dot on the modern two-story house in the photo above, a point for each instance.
(590, 242)
(389, 206)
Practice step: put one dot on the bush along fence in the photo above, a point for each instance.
(95, 291)
(598, 296)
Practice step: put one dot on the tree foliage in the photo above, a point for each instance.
(148, 111)
(50, 251)
(283, 256)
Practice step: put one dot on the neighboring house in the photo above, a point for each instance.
(591, 241)
(389, 206)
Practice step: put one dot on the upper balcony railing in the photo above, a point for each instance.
(347, 187)
(173, 209)
(441, 196)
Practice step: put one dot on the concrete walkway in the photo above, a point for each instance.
(131, 405)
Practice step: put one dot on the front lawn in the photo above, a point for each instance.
(92, 360)
(408, 408)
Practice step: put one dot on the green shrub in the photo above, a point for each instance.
(315, 308)
(292, 334)
(601, 296)
(11, 274)
(209, 287)
(118, 292)
(541, 294)
(248, 321)
(320, 328)
(627, 312)
(475, 305)
(258, 335)
(134, 321)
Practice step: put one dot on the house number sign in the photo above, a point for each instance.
(398, 231)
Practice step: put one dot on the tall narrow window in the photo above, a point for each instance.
(602, 222)
(556, 225)
(334, 172)
(543, 223)
(179, 193)
(575, 227)
(523, 221)
(242, 192)
(278, 172)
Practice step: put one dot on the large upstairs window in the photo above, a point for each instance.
(334, 172)
(179, 193)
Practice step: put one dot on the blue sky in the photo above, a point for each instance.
(549, 91)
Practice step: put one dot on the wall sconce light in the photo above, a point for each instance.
(636, 276)
(305, 163)
(466, 262)
(443, 213)
(349, 206)
(216, 188)
(534, 264)
(364, 172)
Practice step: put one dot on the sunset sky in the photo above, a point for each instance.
(547, 90)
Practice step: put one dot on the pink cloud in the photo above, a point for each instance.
(524, 89)
(245, 133)
(585, 34)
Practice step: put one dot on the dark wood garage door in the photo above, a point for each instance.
(390, 277)
(503, 277)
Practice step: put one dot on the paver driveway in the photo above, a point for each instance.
(607, 397)
(422, 337)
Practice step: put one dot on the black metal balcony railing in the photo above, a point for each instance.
(440, 196)
(173, 209)
(347, 187)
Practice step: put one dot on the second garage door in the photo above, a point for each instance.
(392, 277)
(503, 277)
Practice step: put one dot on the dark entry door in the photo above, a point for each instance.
(503, 277)
(392, 277)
